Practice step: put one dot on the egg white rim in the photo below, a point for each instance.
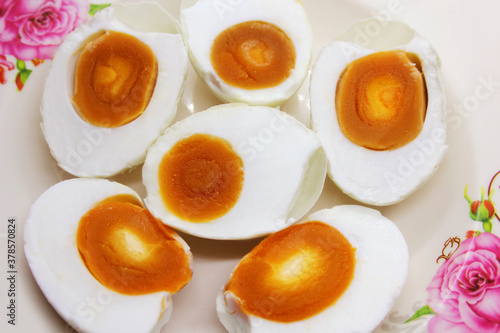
(360, 296)
(417, 161)
(199, 43)
(307, 187)
(86, 150)
(60, 272)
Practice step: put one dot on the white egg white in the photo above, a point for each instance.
(377, 177)
(382, 261)
(53, 257)
(284, 170)
(85, 150)
(203, 20)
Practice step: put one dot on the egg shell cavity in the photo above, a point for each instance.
(284, 170)
(378, 177)
(382, 261)
(85, 150)
(203, 20)
(53, 257)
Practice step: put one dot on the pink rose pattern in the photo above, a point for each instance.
(464, 294)
(5, 65)
(32, 30)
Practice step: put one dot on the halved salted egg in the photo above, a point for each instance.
(379, 111)
(102, 260)
(233, 172)
(318, 276)
(252, 51)
(113, 88)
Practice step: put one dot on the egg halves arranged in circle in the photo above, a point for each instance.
(102, 260)
(378, 107)
(113, 88)
(252, 51)
(234, 172)
(340, 271)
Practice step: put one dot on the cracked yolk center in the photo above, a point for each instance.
(253, 55)
(129, 251)
(385, 94)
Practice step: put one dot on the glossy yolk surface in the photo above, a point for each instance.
(114, 79)
(294, 273)
(129, 251)
(201, 178)
(253, 55)
(381, 100)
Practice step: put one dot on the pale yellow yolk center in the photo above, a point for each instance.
(256, 52)
(384, 94)
(110, 79)
(298, 267)
(131, 245)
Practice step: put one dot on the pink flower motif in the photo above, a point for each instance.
(5, 65)
(33, 29)
(465, 292)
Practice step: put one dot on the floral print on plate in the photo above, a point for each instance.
(464, 294)
(32, 30)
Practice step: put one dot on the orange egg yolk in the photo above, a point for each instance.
(129, 251)
(201, 178)
(253, 55)
(381, 100)
(114, 79)
(294, 273)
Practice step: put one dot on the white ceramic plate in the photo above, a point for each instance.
(433, 220)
